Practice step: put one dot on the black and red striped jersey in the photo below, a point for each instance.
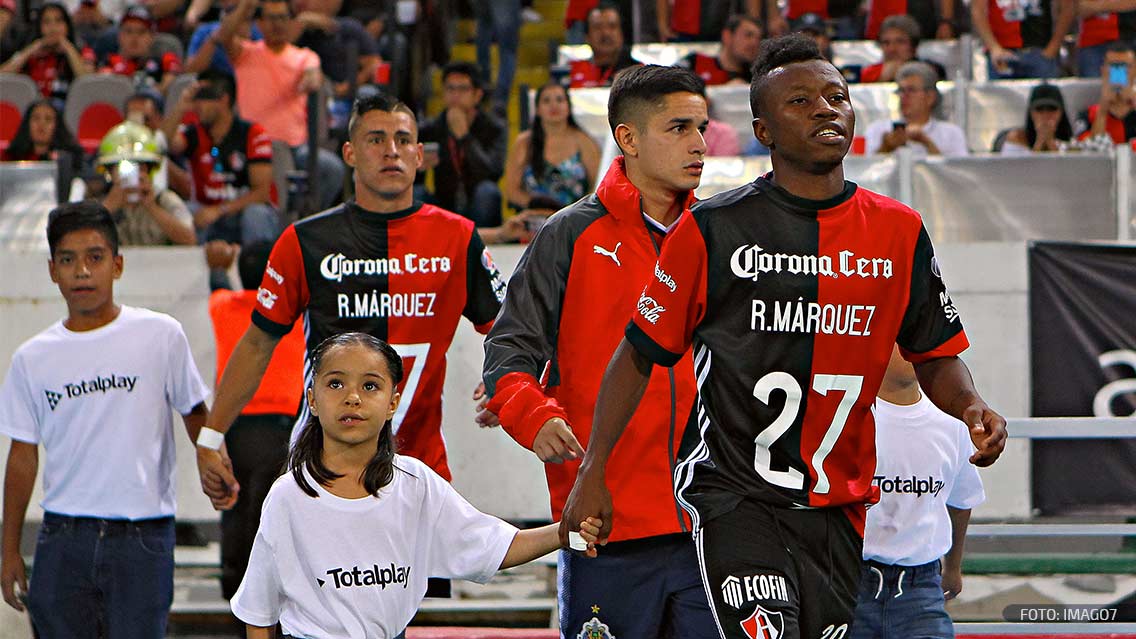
(791, 307)
(406, 278)
(1019, 24)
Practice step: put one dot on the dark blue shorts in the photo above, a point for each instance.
(639, 588)
(901, 602)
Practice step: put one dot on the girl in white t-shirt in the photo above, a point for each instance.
(349, 537)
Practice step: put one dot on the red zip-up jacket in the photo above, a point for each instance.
(568, 302)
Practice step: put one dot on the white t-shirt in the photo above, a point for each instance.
(100, 403)
(950, 139)
(922, 466)
(340, 568)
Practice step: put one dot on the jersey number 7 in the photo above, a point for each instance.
(778, 380)
(414, 355)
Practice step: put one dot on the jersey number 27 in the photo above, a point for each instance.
(823, 384)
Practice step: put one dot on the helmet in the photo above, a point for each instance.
(129, 141)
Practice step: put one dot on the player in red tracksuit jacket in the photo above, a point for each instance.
(570, 296)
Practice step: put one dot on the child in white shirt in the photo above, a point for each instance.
(927, 488)
(98, 391)
(350, 535)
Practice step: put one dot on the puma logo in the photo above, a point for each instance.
(612, 253)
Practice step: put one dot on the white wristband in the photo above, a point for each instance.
(576, 541)
(209, 438)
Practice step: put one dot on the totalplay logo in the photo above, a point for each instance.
(362, 577)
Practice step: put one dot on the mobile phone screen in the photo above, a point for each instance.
(1118, 74)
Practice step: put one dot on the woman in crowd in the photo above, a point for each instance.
(555, 159)
(53, 59)
(42, 135)
(1047, 124)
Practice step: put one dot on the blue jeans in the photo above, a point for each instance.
(485, 204)
(901, 602)
(499, 20)
(1029, 64)
(330, 172)
(92, 577)
(648, 587)
(1090, 60)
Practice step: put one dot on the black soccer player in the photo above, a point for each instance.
(791, 291)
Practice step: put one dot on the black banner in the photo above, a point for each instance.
(1082, 307)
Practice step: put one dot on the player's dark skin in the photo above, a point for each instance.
(799, 103)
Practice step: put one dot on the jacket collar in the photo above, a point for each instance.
(621, 197)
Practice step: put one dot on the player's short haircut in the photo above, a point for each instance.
(80, 216)
(252, 263)
(468, 69)
(774, 54)
(638, 90)
(377, 101)
(737, 19)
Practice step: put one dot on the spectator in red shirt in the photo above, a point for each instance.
(41, 136)
(696, 20)
(1102, 23)
(739, 42)
(135, 37)
(899, 40)
(605, 37)
(53, 59)
(231, 162)
(1023, 37)
(1119, 102)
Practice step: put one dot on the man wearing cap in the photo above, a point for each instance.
(231, 162)
(919, 130)
(145, 216)
(135, 37)
(817, 28)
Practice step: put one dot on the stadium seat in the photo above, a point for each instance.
(167, 43)
(16, 93)
(94, 105)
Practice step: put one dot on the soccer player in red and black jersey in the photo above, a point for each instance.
(384, 264)
(739, 42)
(568, 301)
(791, 291)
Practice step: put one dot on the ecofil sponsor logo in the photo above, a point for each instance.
(738, 591)
(357, 577)
(749, 261)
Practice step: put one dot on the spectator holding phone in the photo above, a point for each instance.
(144, 215)
(1117, 98)
(919, 129)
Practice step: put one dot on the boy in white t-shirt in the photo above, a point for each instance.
(97, 390)
(927, 488)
